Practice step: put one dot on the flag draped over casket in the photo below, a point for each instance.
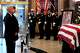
(69, 34)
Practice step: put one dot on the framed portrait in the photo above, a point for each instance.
(66, 18)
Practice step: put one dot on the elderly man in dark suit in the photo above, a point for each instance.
(11, 29)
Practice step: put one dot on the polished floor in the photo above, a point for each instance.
(2, 45)
(48, 46)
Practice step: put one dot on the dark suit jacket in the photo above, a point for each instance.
(11, 26)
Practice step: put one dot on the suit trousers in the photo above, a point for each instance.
(10, 46)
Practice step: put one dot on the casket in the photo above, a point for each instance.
(70, 33)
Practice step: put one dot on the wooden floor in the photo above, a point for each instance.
(49, 46)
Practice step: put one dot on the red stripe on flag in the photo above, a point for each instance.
(46, 7)
(68, 32)
(38, 7)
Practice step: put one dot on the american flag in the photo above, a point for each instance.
(69, 34)
(38, 7)
(46, 7)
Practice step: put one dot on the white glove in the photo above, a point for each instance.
(30, 20)
(54, 23)
(28, 25)
(53, 14)
(29, 17)
(39, 22)
(45, 22)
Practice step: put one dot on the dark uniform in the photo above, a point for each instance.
(41, 24)
(32, 23)
(56, 24)
(48, 26)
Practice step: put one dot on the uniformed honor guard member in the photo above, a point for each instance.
(32, 23)
(48, 25)
(41, 24)
(56, 25)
